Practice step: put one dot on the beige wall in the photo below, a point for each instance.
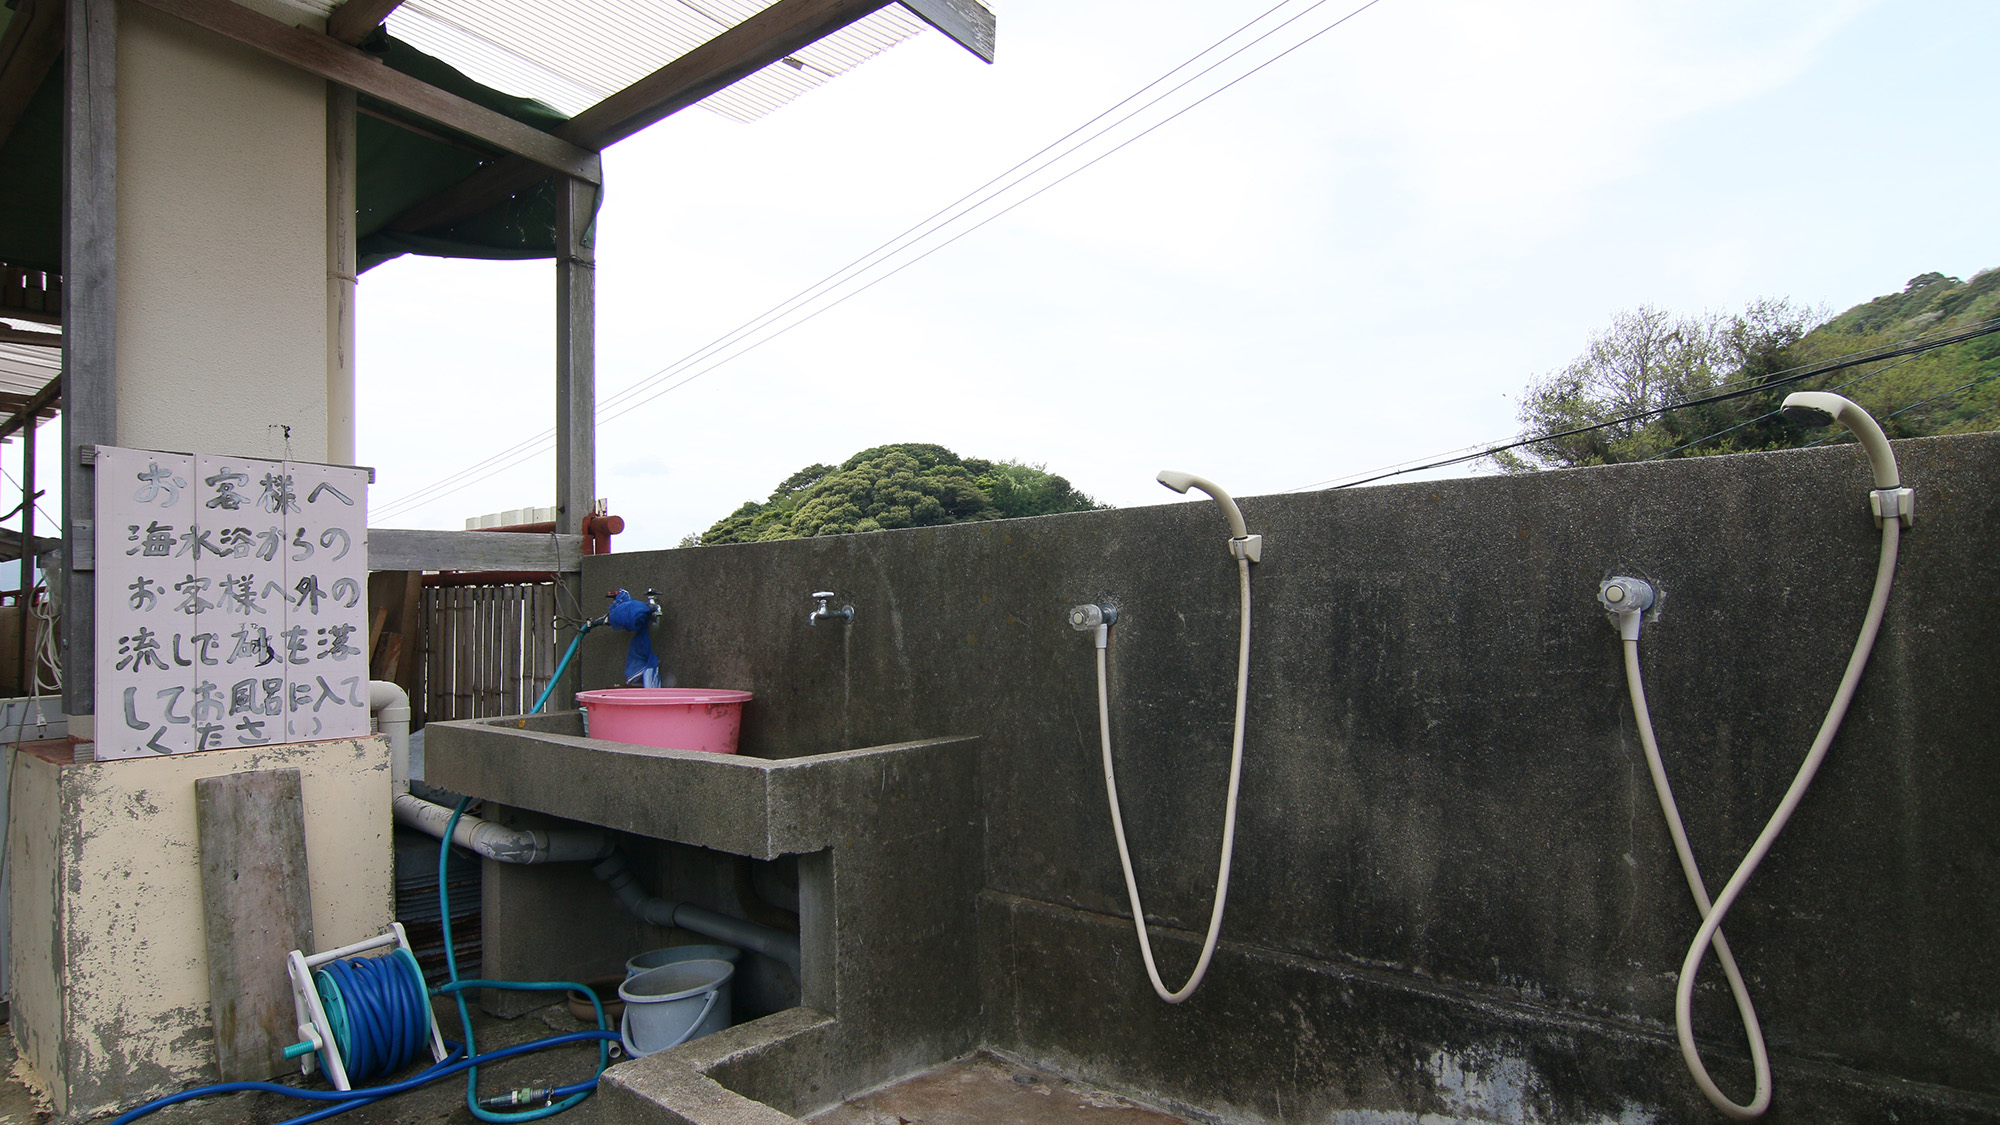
(222, 246)
(111, 955)
(34, 829)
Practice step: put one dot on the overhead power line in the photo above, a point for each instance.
(629, 398)
(1774, 413)
(1912, 347)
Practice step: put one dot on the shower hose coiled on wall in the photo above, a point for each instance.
(1710, 932)
(1228, 817)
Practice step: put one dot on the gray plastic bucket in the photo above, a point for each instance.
(653, 959)
(668, 1006)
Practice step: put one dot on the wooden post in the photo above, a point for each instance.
(576, 390)
(90, 266)
(31, 653)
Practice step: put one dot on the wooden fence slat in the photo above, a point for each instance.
(510, 651)
(486, 650)
(468, 645)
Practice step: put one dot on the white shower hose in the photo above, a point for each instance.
(1228, 817)
(1710, 932)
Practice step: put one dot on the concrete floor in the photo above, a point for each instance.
(442, 1103)
(984, 1089)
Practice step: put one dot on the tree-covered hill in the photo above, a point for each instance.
(890, 486)
(1649, 360)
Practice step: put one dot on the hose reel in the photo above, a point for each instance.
(361, 1017)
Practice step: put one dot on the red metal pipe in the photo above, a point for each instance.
(597, 531)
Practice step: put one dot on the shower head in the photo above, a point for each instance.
(1820, 408)
(1181, 482)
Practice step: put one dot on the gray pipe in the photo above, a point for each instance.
(529, 845)
(771, 943)
(508, 845)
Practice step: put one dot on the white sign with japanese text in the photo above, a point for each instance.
(231, 602)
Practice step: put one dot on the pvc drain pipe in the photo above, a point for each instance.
(508, 845)
(664, 912)
(390, 706)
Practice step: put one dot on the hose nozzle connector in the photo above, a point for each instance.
(1626, 600)
(1097, 618)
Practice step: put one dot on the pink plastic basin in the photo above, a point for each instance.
(670, 718)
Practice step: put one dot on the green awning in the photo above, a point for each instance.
(395, 169)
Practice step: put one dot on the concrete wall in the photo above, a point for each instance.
(1453, 893)
(222, 245)
(112, 995)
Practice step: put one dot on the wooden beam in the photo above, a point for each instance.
(395, 549)
(743, 50)
(10, 335)
(27, 294)
(360, 71)
(353, 21)
(89, 316)
(966, 22)
(33, 41)
(34, 408)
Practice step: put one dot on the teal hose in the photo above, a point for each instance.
(458, 987)
(548, 691)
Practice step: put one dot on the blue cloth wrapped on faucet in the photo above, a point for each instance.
(636, 617)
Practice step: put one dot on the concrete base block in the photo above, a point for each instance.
(110, 970)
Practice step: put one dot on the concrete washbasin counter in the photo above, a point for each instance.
(887, 840)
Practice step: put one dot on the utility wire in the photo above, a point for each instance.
(928, 225)
(1017, 203)
(1987, 378)
(533, 446)
(1915, 346)
(1775, 413)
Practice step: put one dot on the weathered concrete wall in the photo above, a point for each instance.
(887, 845)
(119, 1011)
(1453, 892)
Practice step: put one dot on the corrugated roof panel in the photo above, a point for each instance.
(575, 54)
(25, 368)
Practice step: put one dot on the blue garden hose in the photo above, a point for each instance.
(377, 1009)
(454, 1063)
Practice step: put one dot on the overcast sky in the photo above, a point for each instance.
(1354, 257)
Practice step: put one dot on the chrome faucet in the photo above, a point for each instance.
(826, 612)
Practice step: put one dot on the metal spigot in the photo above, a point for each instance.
(826, 612)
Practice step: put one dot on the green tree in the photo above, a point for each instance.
(1649, 360)
(892, 486)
